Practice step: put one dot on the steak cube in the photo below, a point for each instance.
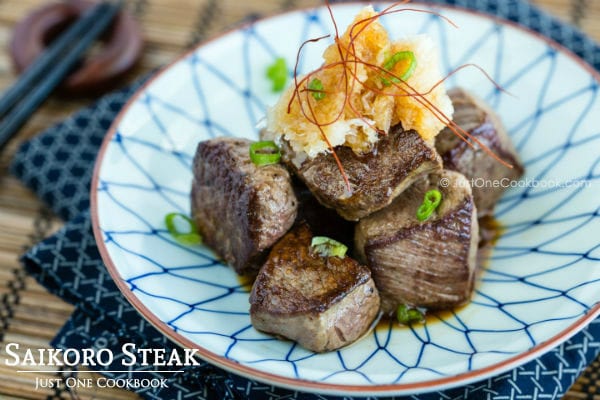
(323, 303)
(476, 118)
(426, 264)
(241, 209)
(376, 178)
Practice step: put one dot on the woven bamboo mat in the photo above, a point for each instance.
(28, 314)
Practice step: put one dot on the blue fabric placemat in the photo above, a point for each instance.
(58, 165)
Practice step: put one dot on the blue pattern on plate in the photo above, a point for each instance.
(544, 261)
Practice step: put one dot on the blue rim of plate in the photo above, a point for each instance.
(313, 386)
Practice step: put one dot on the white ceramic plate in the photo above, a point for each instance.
(541, 285)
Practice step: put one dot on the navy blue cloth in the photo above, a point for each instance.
(58, 166)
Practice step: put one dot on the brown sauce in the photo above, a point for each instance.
(245, 282)
(490, 230)
(431, 317)
(440, 315)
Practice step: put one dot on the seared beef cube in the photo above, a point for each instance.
(476, 118)
(376, 178)
(322, 221)
(427, 264)
(323, 303)
(241, 209)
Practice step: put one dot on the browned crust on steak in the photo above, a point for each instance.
(323, 303)
(429, 264)
(451, 287)
(376, 178)
(311, 283)
(439, 228)
(240, 209)
(479, 120)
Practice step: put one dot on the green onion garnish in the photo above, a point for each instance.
(278, 74)
(316, 88)
(264, 153)
(327, 247)
(191, 237)
(431, 201)
(395, 59)
(407, 315)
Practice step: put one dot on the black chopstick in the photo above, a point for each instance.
(49, 70)
(47, 58)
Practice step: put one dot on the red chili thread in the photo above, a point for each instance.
(349, 61)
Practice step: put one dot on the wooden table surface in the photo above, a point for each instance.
(31, 316)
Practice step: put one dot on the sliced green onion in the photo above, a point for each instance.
(395, 59)
(434, 197)
(189, 238)
(264, 153)
(316, 88)
(407, 315)
(328, 247)
(431, 202)
(424, 212)
(278, 74)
